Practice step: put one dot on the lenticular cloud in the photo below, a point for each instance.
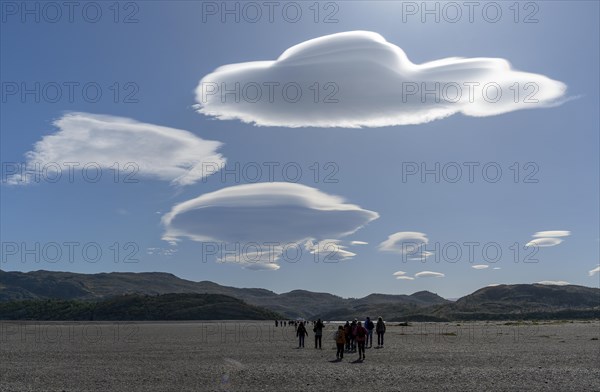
(260, 220)
(154, 151)
(358, 79)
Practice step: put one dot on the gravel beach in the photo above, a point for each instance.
(257, 356)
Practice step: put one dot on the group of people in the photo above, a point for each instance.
(348, 337)
(290, 323)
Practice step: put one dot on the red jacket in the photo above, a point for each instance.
(361, 333)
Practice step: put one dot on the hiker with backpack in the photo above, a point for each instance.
(369, 326)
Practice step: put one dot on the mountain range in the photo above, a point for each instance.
(191, 300)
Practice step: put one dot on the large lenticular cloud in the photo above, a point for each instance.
(358, 79)
(264, 213)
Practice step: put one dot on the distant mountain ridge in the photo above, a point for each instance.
(498, 302)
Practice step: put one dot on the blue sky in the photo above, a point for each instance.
(164, 56)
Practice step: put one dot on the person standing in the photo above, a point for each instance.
(369, 326)
(301, 333)
(380, 329)
(360, 334)
(318, 330)
(348, 332)
(353, 335)
(340, 341)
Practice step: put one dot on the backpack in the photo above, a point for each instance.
(371, 325)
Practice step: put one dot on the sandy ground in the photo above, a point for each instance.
(256, 356)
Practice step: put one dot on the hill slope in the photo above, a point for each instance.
(137, 307)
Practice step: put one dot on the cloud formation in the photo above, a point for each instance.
(401, 275)
(548, 238)
(429, 274)
(358, 79)
(406, 243)
(359, 243)
(550, 241)
(594, 271)
(146, 150)
(480, 266)
(329, 251)
(264, 221)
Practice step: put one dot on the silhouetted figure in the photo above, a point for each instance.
(318, 330)
(369, 326)
(348, 332)
(301, 333)
(360, 334)
(340, 341)
(352, 336)
(380, 329)
(276, 323)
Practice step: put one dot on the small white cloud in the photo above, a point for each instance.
(365, 81)
(480, 266)
(550, 241)
(407, 243)
(161, 251)
(496, 268)
(262, 266)
(139, 149)
(429, 274)
(553, 282)
(552, 233)
(493, 285)
(405, 278)
(594, 271)
(399, 273)
(359, 243)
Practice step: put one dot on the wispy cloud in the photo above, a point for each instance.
(552, 233)
(480, 266)
(365, 81)
(329, 250)
(429, 274)
(594, 271)
(554, 282)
